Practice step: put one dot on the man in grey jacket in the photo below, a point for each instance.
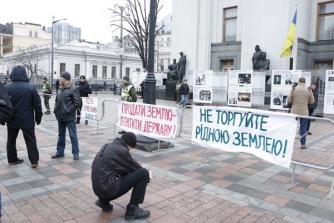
(67, 103)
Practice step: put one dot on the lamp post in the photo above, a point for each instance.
(150, 81)
(53, 22)
(121, 8)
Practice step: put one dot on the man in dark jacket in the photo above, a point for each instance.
(84, 89)
(27, 110)
(115, 172)
(67, 102)
(312, 107)
(184, 91)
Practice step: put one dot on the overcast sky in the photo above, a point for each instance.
(92, 16)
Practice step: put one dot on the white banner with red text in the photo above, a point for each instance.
(150, 120)
(89, 108)
(267, 135)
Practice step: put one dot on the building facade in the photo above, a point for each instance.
(64, 32)
(222, 35)
(79, 58)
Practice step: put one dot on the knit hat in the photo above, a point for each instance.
(83, 77)
(44, 78)
(130, 139)
(126, 78)
(66, 75)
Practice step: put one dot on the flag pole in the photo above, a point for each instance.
(295, 47)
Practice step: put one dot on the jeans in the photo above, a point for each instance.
(310, 113)
(72, 129)
(137, 180)
(303, 125)
(30, 140)
(183, 101)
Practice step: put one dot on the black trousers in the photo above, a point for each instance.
(29, 138)
(137, 180)
(79, 111)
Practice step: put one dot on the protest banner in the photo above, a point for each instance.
(89, 108)
(267, 135)
(150, 120)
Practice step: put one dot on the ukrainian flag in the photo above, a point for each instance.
(290, 40)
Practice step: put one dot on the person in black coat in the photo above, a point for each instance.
(84, 90)
(57, 85)
(184, 91)
(67, 103)
(115, 172)
(27, 109)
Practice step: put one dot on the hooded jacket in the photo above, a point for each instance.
(109, 166)
(27, 107)
(67, 102)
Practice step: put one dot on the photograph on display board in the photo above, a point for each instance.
(244, 79)
(285, 102)
(200, 79)
(233, 101)
(329, 93)
(244, 97)
(277, 79)
(202, 86)
(205, 95)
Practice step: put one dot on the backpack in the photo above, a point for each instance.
(6, 106)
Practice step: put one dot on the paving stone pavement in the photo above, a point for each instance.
(191, 184)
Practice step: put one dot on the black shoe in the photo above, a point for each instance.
(133, 212)
(309, 133)
(106, 206)
(121, 132)
(18, 161)
(76, 157)
(47, 113)
(86, 122)
(77, 122)
(57, 156)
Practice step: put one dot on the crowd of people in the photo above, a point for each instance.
(114, 171)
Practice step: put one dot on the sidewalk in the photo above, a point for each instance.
(188, 187)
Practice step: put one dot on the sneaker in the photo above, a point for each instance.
(133, 212)
(86, 122)
(56, 156)
(303, 147)
(106, 206)
(18, 161)
(47, 113)
(309, 133)
(76, 157)
(34, 165)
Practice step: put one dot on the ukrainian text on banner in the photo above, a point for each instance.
(150, 120)
(89, 108)
(268, 135)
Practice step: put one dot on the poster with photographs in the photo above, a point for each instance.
(240, 88)
(281, 84)
(329, 93)
(202, 86)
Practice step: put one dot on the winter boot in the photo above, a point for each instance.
(133, 212)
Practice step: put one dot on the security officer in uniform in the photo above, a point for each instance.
(128, 93)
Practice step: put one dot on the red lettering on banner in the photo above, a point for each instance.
(89, 101)
(157, 128)
(92, 109)
(130, 123)
(133, 109)
(160, 113)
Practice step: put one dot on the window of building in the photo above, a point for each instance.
(104, 71)
(62, 67)
(94, 71)
(113, 72)
(226, 65)
(30, 33)
(326, 21)
(323, 65)
(127, 71)
(230, 24)
(77, 70)
(36, 34)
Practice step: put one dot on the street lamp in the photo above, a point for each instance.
(121, 8)
(53, 22)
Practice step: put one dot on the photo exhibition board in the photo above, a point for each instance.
(240, 88)
(202, 86)
(281, 85)
(329, 92)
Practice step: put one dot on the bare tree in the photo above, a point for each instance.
(137, 25)
(30, 58)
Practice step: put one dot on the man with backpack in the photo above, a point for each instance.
(27, 111)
